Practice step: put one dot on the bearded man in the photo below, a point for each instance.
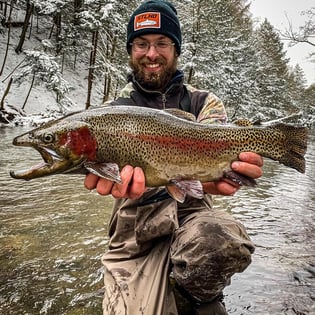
(159, 247)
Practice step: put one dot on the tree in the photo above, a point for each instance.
(112, 55)
(44, 69)
(309, 105)
(272, 73)
(8, 37)
(28, 14)
(306, 32)
(218, 50)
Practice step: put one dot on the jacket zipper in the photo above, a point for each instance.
(163, 95)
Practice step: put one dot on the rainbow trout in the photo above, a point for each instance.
(173, 151)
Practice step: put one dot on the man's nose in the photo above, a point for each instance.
(152, 52)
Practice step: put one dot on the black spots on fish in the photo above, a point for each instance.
(295, 145)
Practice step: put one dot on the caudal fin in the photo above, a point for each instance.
(296, 145)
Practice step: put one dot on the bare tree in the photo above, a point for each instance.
(28, 14)
(92, 67)
(8, 38)
(305, 33)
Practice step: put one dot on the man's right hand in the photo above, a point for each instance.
(133, 184)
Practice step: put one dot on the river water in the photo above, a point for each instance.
(53, 233)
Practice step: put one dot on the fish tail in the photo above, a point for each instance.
(295, 146)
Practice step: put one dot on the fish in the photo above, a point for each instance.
(173, 149)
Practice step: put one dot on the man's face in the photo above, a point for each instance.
(153, 60)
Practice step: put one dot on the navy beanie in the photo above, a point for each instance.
(155, 17)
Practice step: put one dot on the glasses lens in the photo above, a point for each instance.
(143, 46)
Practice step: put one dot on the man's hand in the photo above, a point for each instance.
(249, 164)
(133, 184)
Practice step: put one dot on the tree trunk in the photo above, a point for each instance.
(91, 68)
(8, 40)
(31, 23)
(195, 32)
(29, 92)
(57, 22)
(28, 14)
(6, 91)
(77, 8)
(108, 78)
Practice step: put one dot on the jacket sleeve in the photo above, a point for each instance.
(212, 111)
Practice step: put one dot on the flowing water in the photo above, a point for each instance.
(53, 233)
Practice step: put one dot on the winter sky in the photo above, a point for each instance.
(278, 12)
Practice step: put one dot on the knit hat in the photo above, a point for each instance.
(155, 17)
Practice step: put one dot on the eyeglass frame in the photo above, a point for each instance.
(149, 45)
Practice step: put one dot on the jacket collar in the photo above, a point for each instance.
(176, 81)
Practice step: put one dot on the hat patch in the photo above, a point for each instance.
(147, 20)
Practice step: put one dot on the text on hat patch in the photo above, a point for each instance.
(147, 20)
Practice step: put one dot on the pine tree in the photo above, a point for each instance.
(309, 106)
(272, 73)
(219, 53)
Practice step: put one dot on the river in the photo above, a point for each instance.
(53, 233)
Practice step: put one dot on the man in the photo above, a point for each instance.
(158, 246)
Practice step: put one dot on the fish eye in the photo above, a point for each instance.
(48, 138)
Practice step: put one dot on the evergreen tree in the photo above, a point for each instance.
(296, 85)
(309, 106)
(218, 50)
(272, 73)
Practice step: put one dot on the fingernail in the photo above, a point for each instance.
(243, 155)
(127, 169)
(235, 165)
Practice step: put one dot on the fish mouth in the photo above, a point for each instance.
(52, 163)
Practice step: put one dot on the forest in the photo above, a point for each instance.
(74, 52)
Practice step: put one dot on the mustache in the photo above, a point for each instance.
(159, 60)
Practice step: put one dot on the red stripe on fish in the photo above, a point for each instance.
(182, 143)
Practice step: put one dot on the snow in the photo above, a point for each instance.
(41, 105)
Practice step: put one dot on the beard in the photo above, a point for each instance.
(153, 81)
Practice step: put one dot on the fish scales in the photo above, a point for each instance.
(166, 147)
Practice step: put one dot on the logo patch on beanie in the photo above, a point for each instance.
(147, 20)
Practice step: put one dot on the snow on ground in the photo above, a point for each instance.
(41, 102)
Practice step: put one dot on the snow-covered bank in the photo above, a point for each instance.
(41, 104)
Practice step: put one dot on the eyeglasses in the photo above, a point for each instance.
(144, 46)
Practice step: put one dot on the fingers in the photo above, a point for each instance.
(121, 190)
(250, 165)
(102, 186)
(132, 186)
(138, 184)
(90, 181)
(221, 187)
(252, 158)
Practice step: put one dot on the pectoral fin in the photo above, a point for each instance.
(108, 171)
(178, 189)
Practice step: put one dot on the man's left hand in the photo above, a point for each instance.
(249, 164)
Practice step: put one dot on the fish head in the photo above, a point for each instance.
(63, 145)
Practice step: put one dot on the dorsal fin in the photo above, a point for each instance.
(243, 122)
(180, 114)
